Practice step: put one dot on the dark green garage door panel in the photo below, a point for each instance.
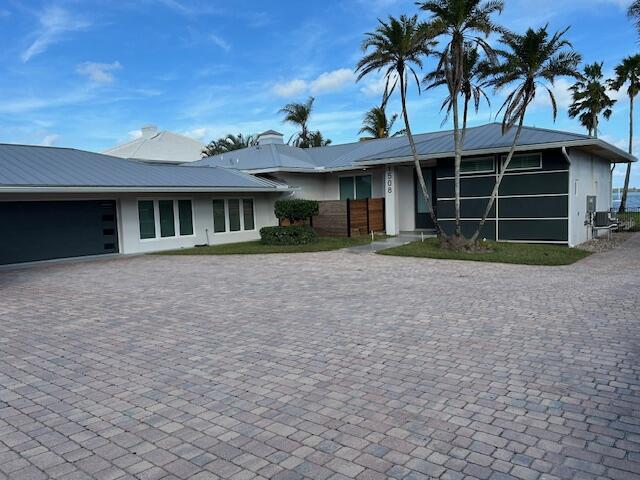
(45, 230)
(532, 230)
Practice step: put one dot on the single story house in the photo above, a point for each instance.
(62, 202)
(543, 197)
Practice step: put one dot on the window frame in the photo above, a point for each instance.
(176, 218)
(519, 169)
(478, 172)
(354, 185)
(241, 212)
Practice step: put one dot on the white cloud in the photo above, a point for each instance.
(220, 42)
(560, 91)
(374, 86)
(134, 134)
(197, 133)
(98, 72)
(50, 140)
(290, 88)
(331, 81)
(54, 23)
(325, 82)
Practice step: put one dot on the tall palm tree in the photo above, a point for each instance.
(458, 22)
(633, 12)
(628, 71)
(590, 98)
(529, 61)
(376, 124)
(227, 144)
(397, 47)
(473, 83)
(299, 114)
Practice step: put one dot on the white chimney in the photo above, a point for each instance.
(270, 137)
(149, 131)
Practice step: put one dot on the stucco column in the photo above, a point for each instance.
(391, 206)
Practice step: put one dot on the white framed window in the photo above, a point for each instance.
(355, 187)
(477, 165)
(233, 215)
(525, 161)
(165, 218)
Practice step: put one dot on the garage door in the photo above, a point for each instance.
(33, 231)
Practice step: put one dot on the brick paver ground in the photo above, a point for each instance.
(323, 366)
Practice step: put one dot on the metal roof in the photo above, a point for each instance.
(435, 144)
(162, 146)
(27, 166)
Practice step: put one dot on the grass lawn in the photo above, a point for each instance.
(255, 247)
(521, 253)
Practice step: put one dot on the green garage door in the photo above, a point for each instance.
(45, 230)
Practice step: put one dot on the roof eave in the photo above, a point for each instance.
(625, 157)
(111, 189)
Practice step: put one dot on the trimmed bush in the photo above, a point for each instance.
(295, 210)
(292, 235)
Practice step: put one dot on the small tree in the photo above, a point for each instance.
(295, 210)
(590, 99)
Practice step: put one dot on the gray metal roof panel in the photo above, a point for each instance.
(26, 165)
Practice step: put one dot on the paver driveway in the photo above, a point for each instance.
(329, 365)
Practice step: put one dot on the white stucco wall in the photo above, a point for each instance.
(326, 186)
(406, 199)
(588, 175)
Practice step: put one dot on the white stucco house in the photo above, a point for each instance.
(60, 202)
(155, 146)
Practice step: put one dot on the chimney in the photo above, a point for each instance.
(270, 137)
(149, 131)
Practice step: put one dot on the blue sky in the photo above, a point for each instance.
(88, 74)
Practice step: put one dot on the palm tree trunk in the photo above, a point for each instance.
(416, 161)
(595, 125)
(454, 88)
(623, 200)
(496, 187)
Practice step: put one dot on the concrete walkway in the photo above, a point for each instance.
(396, 241)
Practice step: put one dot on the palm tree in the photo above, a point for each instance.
(633, 12)
(529, 62)
(377, 125)
(315, 139)
(458, 22)
(397, 48)
(298, 114)
(227, 144)
(473, 83)
(590, 98)
(628, 71)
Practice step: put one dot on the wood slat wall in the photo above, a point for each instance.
(341, 218)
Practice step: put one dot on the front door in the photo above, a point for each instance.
(423, 220)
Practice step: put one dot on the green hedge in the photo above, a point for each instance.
(292, 235)
(295, 210)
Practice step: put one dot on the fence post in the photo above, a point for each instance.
(348, 218)
(368, 223)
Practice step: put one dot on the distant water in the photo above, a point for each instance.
(633, 200)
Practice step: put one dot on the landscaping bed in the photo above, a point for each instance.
(518, 253)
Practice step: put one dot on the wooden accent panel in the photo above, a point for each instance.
(358, 217)
(331, 220)
(376, 214)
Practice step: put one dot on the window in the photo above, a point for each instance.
(166, 217)
(363, 186)
(247, 210)
(234, 214)
(346, 188)
(167, 220)
(219, 222)
(525, 162)
(185, 217)
(477, 165)
(146, 219)
(358, 187)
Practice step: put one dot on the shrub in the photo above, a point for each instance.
(292, 235)
(295, 210)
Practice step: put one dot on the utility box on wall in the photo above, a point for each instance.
(591, 204)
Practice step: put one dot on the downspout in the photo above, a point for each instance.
(565, 153)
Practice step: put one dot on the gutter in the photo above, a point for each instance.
(78, 189)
